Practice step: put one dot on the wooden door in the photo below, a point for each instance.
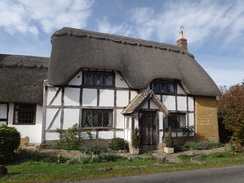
(148, 130)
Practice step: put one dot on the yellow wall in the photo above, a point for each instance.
(206, 124)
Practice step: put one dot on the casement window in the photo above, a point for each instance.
(24, 113)
(163, 87)
(175, 120)
(104, 79)
(97, 118)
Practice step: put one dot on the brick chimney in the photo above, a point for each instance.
(182, 42)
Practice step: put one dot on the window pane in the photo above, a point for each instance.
(24, 113)
(88, 79)
(108, 80)
(163, 87)
(98, 79)
(175, 121)
(87, 118)
(97, 118)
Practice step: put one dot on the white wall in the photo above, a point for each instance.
(34, 131)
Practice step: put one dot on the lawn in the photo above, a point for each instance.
(44, 171)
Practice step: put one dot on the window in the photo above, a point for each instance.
(24, 113)
(175, 120)
(98, 79)
(97, 118)
(162, 87)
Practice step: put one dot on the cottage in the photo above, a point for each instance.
(21, 81)
(111, 85)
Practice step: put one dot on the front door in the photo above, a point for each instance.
(148, 130)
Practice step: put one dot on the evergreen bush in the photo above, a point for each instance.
(136, 139)
(9, 142)
(118, 144)
(169, 139)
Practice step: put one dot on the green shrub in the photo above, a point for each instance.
(9, 142)
(69, 137)
(118, 144)
(196, 145)
(169, 139)
(94, 147)
(136, 139)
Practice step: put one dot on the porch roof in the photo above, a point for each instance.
(141, 99)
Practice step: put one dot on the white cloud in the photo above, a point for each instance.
(203, 19)
(106, 27)
(28, 16)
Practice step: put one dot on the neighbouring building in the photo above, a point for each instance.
(110, 85)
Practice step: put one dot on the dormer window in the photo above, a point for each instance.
(103, 79)
(164, 87)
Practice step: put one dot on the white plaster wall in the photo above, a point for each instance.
(119, 119)
(153, 105)
(190, 103)
(119, 81)
(11, 114)
(160, 119)
(169, 102)
(191, 119)
(122, 98)
(133, 94)
(145, 106)
(52, 136)
(3, 110)
(120, 134)
(161, 134)
(71, 117)
(50, 113)
(77, 80)
(34, 132)
(106, 98)
(72, 96)
(89, 97)
(180, 90)
(181, 101)
(106, 134)
(51, 92)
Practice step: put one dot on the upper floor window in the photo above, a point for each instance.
(175, 120)
(98, 79)
(24, 113)
(97, 118)
(162, 87)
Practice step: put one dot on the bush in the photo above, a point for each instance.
(94, 147)
(136, 139)
(169, 139)
(9, 142)
(118, 144)
(196, 145)
(69, 137)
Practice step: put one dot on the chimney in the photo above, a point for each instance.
(182, 42)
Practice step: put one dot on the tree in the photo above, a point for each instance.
(231, 109)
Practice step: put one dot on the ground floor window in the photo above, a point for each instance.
(24, 113)
(175, 120)
(97, 118)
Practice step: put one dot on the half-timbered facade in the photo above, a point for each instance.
(112, 85)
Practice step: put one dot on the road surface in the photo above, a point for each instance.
(229, 174)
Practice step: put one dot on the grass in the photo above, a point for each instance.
(41, 171)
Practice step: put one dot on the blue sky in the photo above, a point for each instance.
(214, 28)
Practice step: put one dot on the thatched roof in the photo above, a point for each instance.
(22, 77)
(139, 61)
(141, 99)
